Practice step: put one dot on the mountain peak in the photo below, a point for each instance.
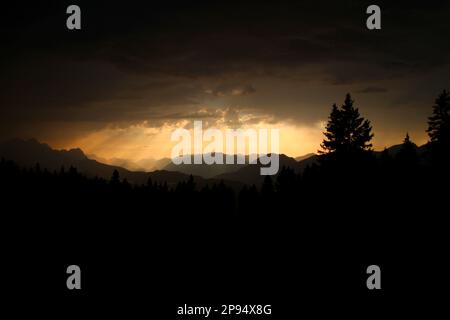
(31, 151)
(76, 153)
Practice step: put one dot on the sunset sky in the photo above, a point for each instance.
(136, 71)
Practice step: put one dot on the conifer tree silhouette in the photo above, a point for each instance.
(115, 179)
(407, 155)
(346, 131)
(439, 129)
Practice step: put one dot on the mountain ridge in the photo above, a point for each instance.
(29, 152)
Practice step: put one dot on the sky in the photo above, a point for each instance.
(138, 70)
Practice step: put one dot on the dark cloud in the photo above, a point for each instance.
(141, 61)
(372, 90)
(231, 90)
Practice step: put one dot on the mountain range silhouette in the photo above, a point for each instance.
(28, 153)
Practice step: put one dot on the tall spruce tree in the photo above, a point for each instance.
(407, 155)
(439, 128)
(346, 131)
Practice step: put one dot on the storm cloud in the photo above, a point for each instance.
(141, 62)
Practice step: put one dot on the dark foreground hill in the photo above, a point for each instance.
(296, 230)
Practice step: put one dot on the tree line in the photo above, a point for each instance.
(347, 175)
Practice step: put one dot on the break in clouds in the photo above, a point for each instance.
(133, 72)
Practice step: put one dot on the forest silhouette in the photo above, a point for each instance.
(349, 191)
(349, 207)
(347, 169)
